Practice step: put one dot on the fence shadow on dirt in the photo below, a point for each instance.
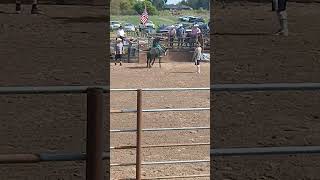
(242, 34)
(4, 12)
(84, 19)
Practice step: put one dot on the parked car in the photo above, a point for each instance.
(129, 27)
(196, 19)
(165, 28)
(114, 25)
(186, 18)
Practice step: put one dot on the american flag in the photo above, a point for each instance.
(144, 16)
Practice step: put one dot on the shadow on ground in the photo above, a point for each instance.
(84, 19)
(242, 34)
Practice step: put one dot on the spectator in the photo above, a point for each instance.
(280, 7)
(118, 51)
(172, 34)
(34, 9)
(121, 33)
(181, 34)
(197, 56)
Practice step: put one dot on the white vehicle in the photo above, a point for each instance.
(185, 18)
(129, 27)
(150, 24)
(114, 25)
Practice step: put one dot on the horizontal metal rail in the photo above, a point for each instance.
(160, 129)
(265, 151)
(44, 157)
(215, 87)
(162, 162)
(242, 87)
(171, 177)
(267, 87)
(47, 89)
(162, 145)
(164, 89)
(178, 177)
(160, 110)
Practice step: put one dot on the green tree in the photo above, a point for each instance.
(126, 8)
(196, 4)
(139, 7)
(159, 4)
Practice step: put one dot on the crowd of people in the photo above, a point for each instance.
(183, 37)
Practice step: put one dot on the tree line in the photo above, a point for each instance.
(133, 7)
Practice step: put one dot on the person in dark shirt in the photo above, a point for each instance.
(180, 35)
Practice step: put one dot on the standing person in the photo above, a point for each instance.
(180, 35)
(172, 34)
(195, 32)
(280, 7)
(197, 55)
(118, 51)
(129, 48)
(34, 8)
(121, 33)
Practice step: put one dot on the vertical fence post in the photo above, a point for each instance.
(95, 118)
(139, 134)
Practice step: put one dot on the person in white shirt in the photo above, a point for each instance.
(121, 33)
(197, 56)
(118, 51)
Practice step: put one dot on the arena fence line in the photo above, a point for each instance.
(139, 130)
(96, 109)
(95, 118)
(262, 151)
(219, 88)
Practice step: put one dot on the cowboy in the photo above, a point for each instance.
(34, 8)
(280, 7)
(156, 44)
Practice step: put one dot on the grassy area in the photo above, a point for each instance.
(164, 17)
(157, 20)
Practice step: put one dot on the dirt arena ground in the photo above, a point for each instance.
(65, 47)
(246, 53)
(171, 74)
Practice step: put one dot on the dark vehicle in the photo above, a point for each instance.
(164, 29)
(196, 19)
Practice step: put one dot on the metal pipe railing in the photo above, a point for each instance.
(160, 110)
(214, 87)
(178, 177)
(161, 145)
(160, 129)
(45, 157)
(171, 177)
(162, 162)
(139, 135)
(265, 151)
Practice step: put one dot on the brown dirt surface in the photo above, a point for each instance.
(64, 47)
(245, 52)
(171, 74)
